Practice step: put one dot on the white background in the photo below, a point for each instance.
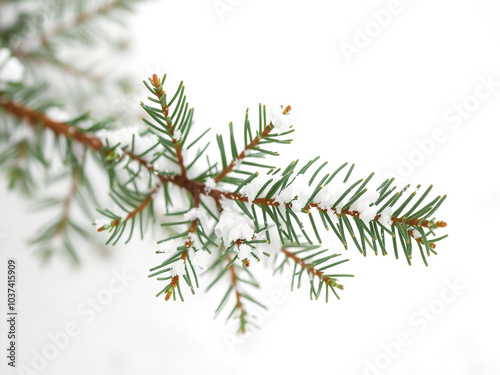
(370, 111)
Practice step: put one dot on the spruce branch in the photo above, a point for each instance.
(238, 209)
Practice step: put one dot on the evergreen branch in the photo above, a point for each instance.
(262, 135)
(194, 187)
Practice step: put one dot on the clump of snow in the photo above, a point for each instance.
(178, 268)
(297, 191)
(177, 134)
(386, 217)
(251, 189)
(11, 70)
(210, 184)
(280, 121)
(329, 195)
(362, 205)
(233, 226)
(200, 259)
(195, 213)
(162, 164)
(416, 234)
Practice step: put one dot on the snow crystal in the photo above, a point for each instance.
(195, 213)
(329, 195)
(386, 217)
(169, 247)
(200, 259)
(161, 164)
(233, 226)
(280, 121)
(251, 189)
(299, 190)
(368, 213)
(177, 134)
(362, 205)
(178, 268)
(210, 184)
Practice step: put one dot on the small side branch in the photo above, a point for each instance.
(313, 271)
(160, 93)
(243, 153)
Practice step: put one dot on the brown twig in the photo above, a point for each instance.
(178, 149)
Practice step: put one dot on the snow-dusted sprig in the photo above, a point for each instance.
(351, 210)
(253, 148)
(172, 120)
